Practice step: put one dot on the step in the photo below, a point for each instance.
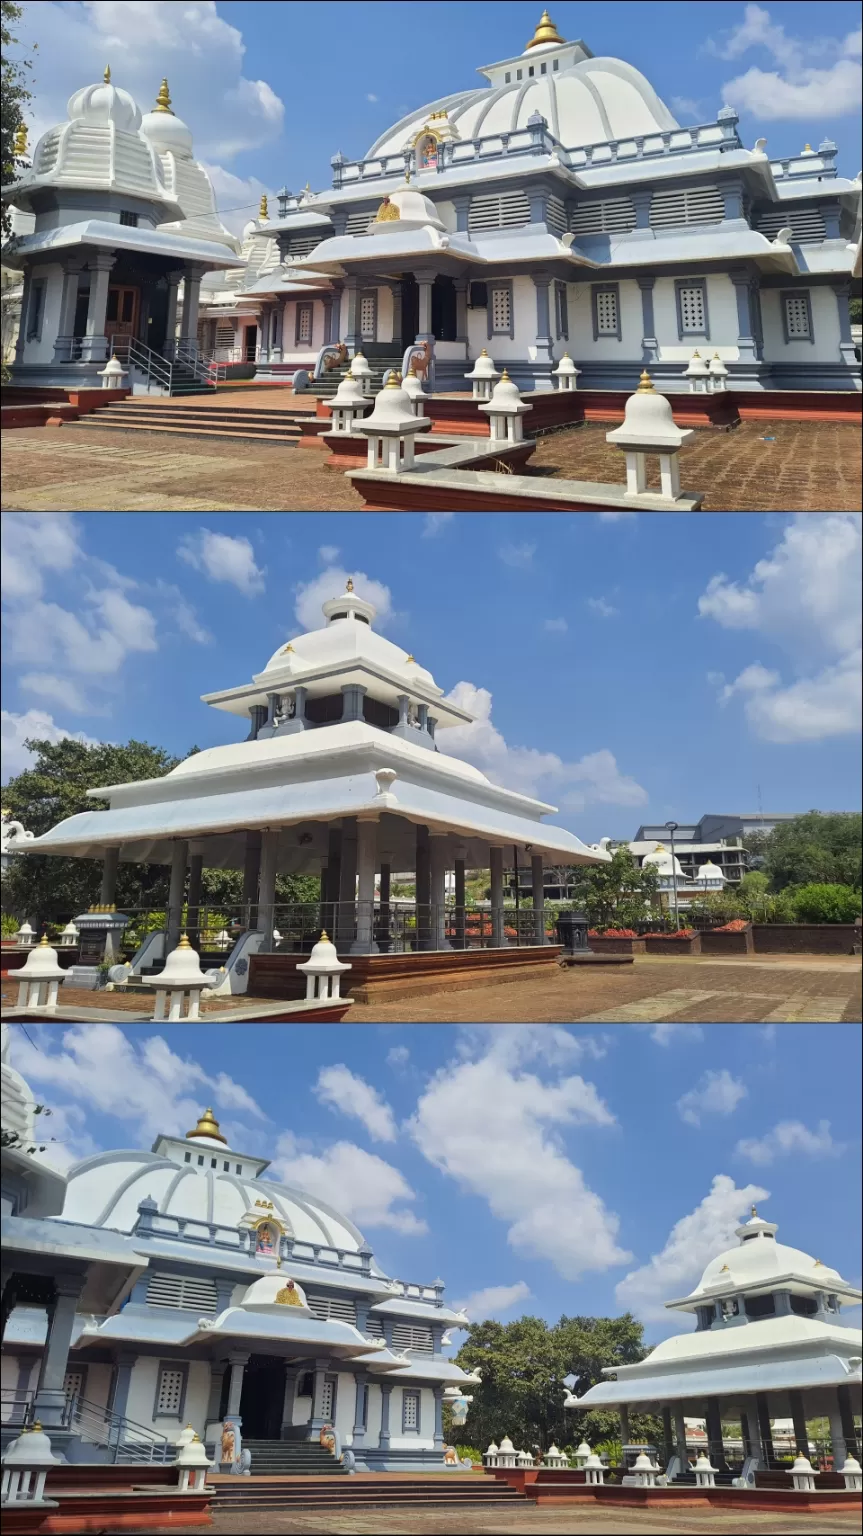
(195, 420)
(221, 432)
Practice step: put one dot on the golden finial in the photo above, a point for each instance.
(820, 1261)
(43, 941)
(484, 352)
(546, 32)
(409, 658)
(163, 100)
(286, 648)
(263, 211)
(324, 936)
(645, 384)
(184, 942)
(207, 1126)
(504, 375)
(395, 380)
(307, 187)
(412, 373)
(807, 149)
(753, 1211)
(349, 586)
(724, 1270)
(107, 75)
(19, 149)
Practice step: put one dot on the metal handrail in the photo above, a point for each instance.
(127, 349)
(123, 1437)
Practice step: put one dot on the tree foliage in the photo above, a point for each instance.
(816, 848)
(14, 96)
(524, 1365)
(619, 892)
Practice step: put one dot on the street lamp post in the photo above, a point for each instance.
(671, 828)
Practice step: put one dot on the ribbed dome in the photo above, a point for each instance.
(105, 103)
(346, 640)
(758, 1257)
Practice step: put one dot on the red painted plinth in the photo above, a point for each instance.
(79, 1513)
(545, 1486)
(800, 405)
(312, 431)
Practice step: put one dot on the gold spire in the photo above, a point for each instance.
(546, 32)
(163, 100)
(107, 75)
(409, 658)
(286, 648)
(807, 149)
(645, 384)
(407, 176)
(43, 941)
(349, 585)
(395, 380)
(207, 1126)
(184, 942)
(20, 147)
(412, 373)
(484, 352)
(504, 375)
(263, 211)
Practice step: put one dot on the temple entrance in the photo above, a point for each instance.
(410, 311)
(263, 1398)
(250, 343)
(121, 316)
(443, 307)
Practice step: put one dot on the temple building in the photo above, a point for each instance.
(341, 775)
(768, 1345)
(150, 1291)
(559, 207)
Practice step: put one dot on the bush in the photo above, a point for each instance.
(465, 1451)
(10, 925)
(826, 904)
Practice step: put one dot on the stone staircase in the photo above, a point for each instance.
(445, 1490)
(292, 1458)
(245, 423)
(326, 387)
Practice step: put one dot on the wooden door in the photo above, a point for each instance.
(121, 316)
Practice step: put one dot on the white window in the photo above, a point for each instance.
(304, 323)
(185, 1292)
(411, 1411)
(797, 322)
(501, 310)
(73, 1384)
(692, 316)
(327, 1400)
(367, 316)
(169, 1393)
(607, 322)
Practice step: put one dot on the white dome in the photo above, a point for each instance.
(405, 209)
(759, 1257)
(273, 1293)
(165, 130)
(343, 640)
(105, 103)
(710, 872)
(18, 1104)
(99, 149)
(660, 860)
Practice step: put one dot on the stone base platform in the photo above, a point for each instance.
(390, 977)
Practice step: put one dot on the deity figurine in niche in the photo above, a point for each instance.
(266, 1240)
(427, 153)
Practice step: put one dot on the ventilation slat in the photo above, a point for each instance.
(697, 205)
(509, 211)
(805, 223)
(342, 1308)
(555, 216)
(614, 216)
(301, 246)
(358, 223)
(414, 1337)
(183, 1292)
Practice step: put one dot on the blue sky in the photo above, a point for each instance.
(272, 90)
(624, 669)
(580, 1170)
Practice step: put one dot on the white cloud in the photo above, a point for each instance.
(328, 553)
(686, 106)
(716, 1093)
(223, 558)
(58, 690)
(339, 1087)
(493, 1301)
(692, 1242)
(663, 1034)
(601, 608)
(310, 596)
(790, 1136)
(398, 1057)
(556, 626)
(34, 543)
(495, 1130)
(814, 76)
(34, 725)
(435, 522)
(370, 1191)
(516, 555)
(594, 780)
(371, 96)
(803, 597)
(616, 517)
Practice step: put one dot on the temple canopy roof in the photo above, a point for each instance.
(759, 1262)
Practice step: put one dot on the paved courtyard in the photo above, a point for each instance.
(810, 466)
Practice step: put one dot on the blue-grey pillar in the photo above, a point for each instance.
(176, 891)
(460, 285)
(110, 866)
(359, 1408)
(398, 339)
(798, 1419)
(495, 859)
(337, 311)
(423, 889)
(544, 344)
(831, 213)
(732, 199)
(641, 198)
(94, 346)
(649, 343)
(386, 1393)
(747, 338)
(328, 319)
(842, 292)
(623, 1414)
(291, 1375)
(423, 717)
(50, 1402)
(438, 1418)
(125, 1364)
(68, 305)
(318, 1418)
(353, 336)
(352, 701)
(538, 898)
(425, 282)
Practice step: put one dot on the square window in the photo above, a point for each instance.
(501, 311)
(607, 314)
(169, 1394)
(797, 320)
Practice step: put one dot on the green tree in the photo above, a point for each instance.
(14, 96)
(812, 849)
(618, 893)
(716, 907)
(826, 904)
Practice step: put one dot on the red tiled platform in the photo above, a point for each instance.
(374, 977)
(544, 1486)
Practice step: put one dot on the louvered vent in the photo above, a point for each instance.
(374, 1328)
(342, 1308)
(507, 212)
(414, 1337)
(698, 205)
(806, 223)
(302, 246)
(185, 1292)
(358, 223)
(555, 215)
(224, 335)
(614, 217)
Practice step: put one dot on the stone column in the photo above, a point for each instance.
(747, 341)
(347, 911)
(191, 300)
(798, 1417)
(267, 887)
(94, 347)
(438, 1418)
(765, 1432)
(108, 888)
(125, 1364)
(424, 281)
(353, 333)
(459, 940)
(538, 898)
(846, 1417)
(544, 342)
(667, 1436)
(174, 280)
(291, 1375)
(460, 284)
(176, 891)
(26, 295)
(63, 348)
(623, 1412)
(196, 876)
(330, 895)
(237, 1362)
(842, 292)
(423, 889)
(352, 701)
(367, 843)
(328, 319)
(649, 343)
(251, 874)
(337, 311)
(398, 339)
(384, 914)
(715, 1446)
(437, 883)
(214, 1396)
(680, 1438)
(319, 1418)
(359, 1431)
(498, 938)
(50, 1402)
(386, 1393)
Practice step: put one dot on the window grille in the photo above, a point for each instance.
(367, 317)
(73, 1384)
(169, 1393)
(185, 1292)
(414, 1337)
(501, 310)
(697, 205)
(508, 211)
(561, 311)
(613, 217)
(327, 1398)
(224, 338)
(555, 215)
(797, 317)
(131, 219)
(304, 323)
(607, 319)
(342, 1308)
(692, 316)
(410, 1410)
(805, 223)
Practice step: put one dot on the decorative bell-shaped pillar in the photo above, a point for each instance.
(505, 410)
(182, 976)
(523, 1459)
(507, 1453)
(566, 373)
(645, 1471)
(705, 1474)
(192, 1462)
(113, 375)
(25, 936)
(39, 977)
(323, 970)
(718, 374)
(70, 936)
(582, 1454)
(698, 374)
(803, 1475)
(482, 376)
(853, 1474)
(649, 427)
(390, 429)
(412, 387)
(362, 372)
(490, 1459)
(594, 1471)
(349, 403)
(555, 1458)
(25, 1467)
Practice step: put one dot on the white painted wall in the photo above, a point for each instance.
(346, 1396)
(142, 1393)
(825, 326)
(385, 314)
(373, 1425)
(606, 349)
(424, 1441)
(42, 351)
(721, 319)
(142, 1396)
(302, 1408)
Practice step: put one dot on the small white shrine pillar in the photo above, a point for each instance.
(39, 978)
(113, 375)
(645, 1471)
(554, 1458)
(649, 427)
(361, 371)
(391, 427)
(70, 935)
(192, 1463)
(853, 1474)
(26, 936)
(698, 374)
(25, 1467)
(705, 1474)
(323, 970)
(594, 1471)
(505, 409)
(583, 1453)
(718, 374)
(412, 387)
(803, 1475)
(348, 405)
(566, 373)
(482, 376)
(181, 976)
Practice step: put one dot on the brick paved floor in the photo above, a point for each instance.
(812, 466)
